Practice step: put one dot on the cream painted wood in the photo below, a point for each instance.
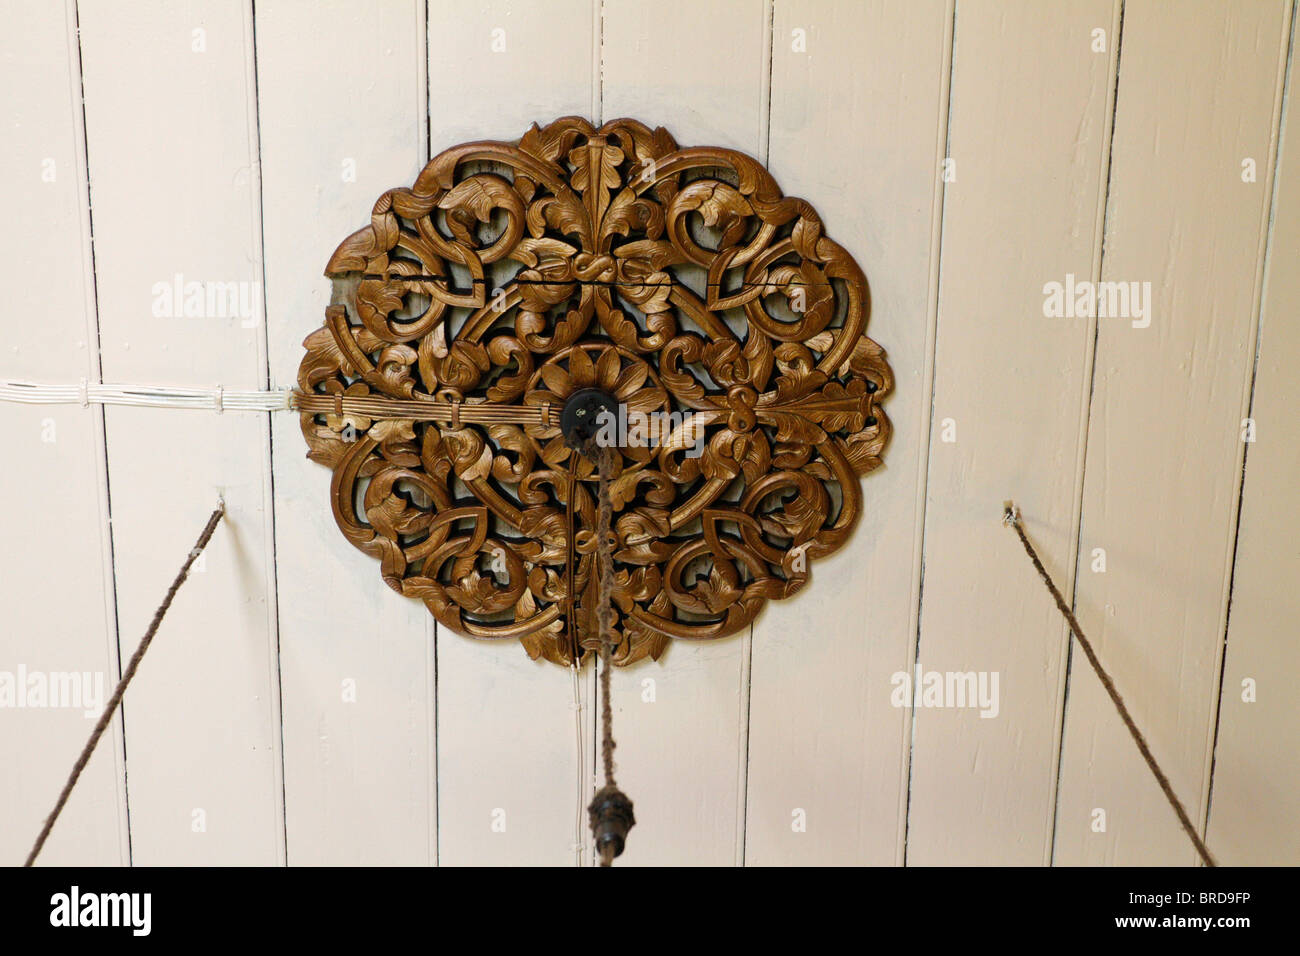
(170, 125)
(1197, 96)
(356, 659)
(51, 337)
(507, 748)
(196, 158)
(1028, 146)
(827, 750)
(1253, 820)
(681, 747)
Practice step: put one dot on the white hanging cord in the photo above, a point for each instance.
(579, 825)
(86, 393)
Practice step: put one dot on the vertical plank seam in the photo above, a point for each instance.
(423, 106)
(1096, 268)
(593, 688)
(99, 430)
(1269, 214)
(747, 641)
(597, 61)
(943, 143)
(254, 119)
(424, 115)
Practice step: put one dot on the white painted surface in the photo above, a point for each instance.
(1028, 140)
(172, 147)
(50, 333)
(355, 671)
(196, 160)
(824, 737)
(1256, 774)
(1164, 449)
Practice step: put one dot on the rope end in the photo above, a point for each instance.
(1010, 514)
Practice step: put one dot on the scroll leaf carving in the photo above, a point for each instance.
(680, 281)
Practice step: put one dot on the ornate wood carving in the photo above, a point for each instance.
(511, 275)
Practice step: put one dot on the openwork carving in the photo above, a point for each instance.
(682, 281)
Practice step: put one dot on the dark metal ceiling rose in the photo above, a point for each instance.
(581, 419)
(482, 307)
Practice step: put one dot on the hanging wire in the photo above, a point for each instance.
(1011, 517)
(111, 707)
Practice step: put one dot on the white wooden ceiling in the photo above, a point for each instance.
(231, 162)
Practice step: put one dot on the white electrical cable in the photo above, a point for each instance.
(84, 393)
(578, 828)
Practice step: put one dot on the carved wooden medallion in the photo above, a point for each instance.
(681, 284)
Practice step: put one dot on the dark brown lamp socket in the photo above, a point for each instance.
(610, 815)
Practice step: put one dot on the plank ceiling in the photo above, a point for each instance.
(966, 152)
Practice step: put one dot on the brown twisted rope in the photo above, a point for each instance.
(1012, 517)
(106, 717)
(610, 812)
(605, 614)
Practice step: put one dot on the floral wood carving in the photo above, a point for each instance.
(676, 280)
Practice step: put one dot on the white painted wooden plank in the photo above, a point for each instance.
(173, 159)
(698, 70)
(356, 659)
(506, 736)
(824, 740)
(57, 598)
(173, 152)
(1253, 819)
(1197, 96)
(1028, 144)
